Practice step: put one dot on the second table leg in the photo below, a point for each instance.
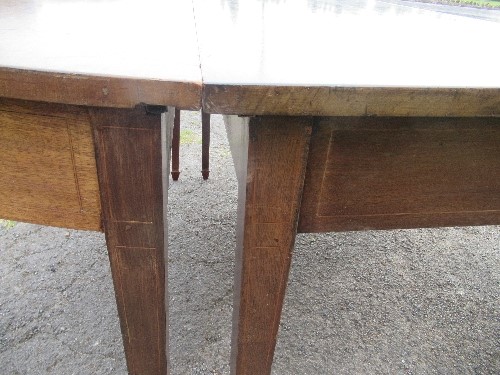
(176, 141)
(270, 190)
(205, 146)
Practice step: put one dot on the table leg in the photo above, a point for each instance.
(131, 153)
(270, 190)
(176, 140)
(205, 146)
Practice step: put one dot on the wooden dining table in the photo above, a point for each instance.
(341, 116)
(88, 91)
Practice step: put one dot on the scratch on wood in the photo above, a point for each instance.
(412, 213)
(323, 177)
(75, 172)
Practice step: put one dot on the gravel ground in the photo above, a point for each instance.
(377, 302)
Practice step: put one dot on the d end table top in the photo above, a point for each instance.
(325, 57)
(294, 57)
(102, 53)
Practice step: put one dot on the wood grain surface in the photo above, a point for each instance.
(346, 58)
(129, 154)
(48, 170)
(350, 101)
(383, 173)
(100, 91)
(269, 200)
(100, 53)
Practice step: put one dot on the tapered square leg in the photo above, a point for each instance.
(176, 141)
(132, 163)
(270, 157)
(205, 145)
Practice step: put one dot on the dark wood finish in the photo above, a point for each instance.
(108, 55)
(346, 58)
(274, 67)
(270, 190)
(384, 173)
(205, 148)
(205, 144)
(98, 91)
(360, 59)
(129, 160)
(47, 170)
(362, 173)
(350, 101)
(49, 52)
(176, 141)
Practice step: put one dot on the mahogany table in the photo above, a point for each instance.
(342, 115)
(345, 115)
(87, 97)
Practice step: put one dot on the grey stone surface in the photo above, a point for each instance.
(377, 302)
